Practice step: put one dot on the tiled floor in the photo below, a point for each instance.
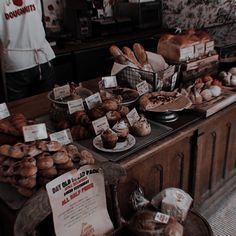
(223, 221)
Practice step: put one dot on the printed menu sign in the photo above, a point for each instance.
(61, 92)
(78, 203)
(109, 81)
(4, 113)
(142, 88)
(64, 137)
(35, 132)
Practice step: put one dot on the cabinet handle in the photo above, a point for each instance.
(213, 134)
(180, 157)
(159, 169)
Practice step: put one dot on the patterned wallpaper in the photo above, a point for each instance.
(198, 13)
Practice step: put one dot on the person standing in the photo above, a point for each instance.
(26, 53)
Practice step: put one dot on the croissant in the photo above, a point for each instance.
(79, 132)
(81, 118)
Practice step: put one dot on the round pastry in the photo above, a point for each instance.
(69, 165)
(53, 146)
(123, 110)
(109, 139)
(110, 105)
(113, 117)
(121, 130)
(141, 127)
(86, 158)
(73, 152)
(12, 151)
(45, 161)
(48, 173)
(26, 192)
(81, 118)
(29, 182)
(26, 171)
(60, 157)
(28, 162)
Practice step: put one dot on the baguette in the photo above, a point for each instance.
(130, 55)
(140, 53)
(118, 55)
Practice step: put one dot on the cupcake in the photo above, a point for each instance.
(122, 130)
(141, 127)
(109, 139)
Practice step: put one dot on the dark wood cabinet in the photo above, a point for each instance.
(216, 157)
(159, 169)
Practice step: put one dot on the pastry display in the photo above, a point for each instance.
(109, 138)
(141, 127)
(122, 130)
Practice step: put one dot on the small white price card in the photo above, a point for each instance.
(75, 105)
(93, 101)
(61, 92)
(187, 53)
(100, 124)
(209, 46)
(109, 81)
(4, 112)
(64, 137)
(35, 132)
(199, 49)
(162, 218)
(142, 88)
(133, 116)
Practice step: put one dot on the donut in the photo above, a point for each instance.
(29, 182)
(60, 157)
(48, 173)
(12, 151)
(45, 161)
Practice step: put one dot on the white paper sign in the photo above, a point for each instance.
(187, 53)
(78, 203)
(100, 125)
(209, 46)
(75, 105)
(35, 132)
(4, 112)
(142, 88)
(64, 137)
(109, 81)
(162, 218)
(93, 101)
(61, 92)
(133, 116)
(199, 50)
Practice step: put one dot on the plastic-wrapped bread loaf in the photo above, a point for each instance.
(174, 202)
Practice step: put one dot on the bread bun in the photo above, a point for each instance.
(45, 161)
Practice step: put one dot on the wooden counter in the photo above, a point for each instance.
(200, 158)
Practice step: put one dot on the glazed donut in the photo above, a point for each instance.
(26, 192)
(53, 146)
(86, 158)
(72, 151)
(25, 171)
(60, 157)
(48, 173)
(12, 151)
(45, 161)
(110, 105)
(69, 165)
(29, 182)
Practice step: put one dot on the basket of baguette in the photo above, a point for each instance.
(133, 66)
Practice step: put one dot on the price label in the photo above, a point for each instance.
(168, 72)
(35, 132)
(199, 49)
(75, 105)
(162, 218)
(187, 53)
(93, 101)
(142, 88)
(100, 125)
(209, 46)
(64, 137)
(61, 92)
(109, 81)
(4, 112)
(133, 116)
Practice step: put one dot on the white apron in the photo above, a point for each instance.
(22, 35)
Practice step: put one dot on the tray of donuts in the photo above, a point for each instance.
(27, 166)
(135, 65)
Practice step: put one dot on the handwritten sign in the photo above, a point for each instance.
(93, 101)
(64, 137)
(35, 132)
(100, 125)
(62, 91)
(78, 203)
(4, 112)
(133, 116)
(75, 105)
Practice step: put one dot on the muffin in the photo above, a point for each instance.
(110, 105)
(122, 130)
(113, 117)
(109, 139)
(141, 127)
